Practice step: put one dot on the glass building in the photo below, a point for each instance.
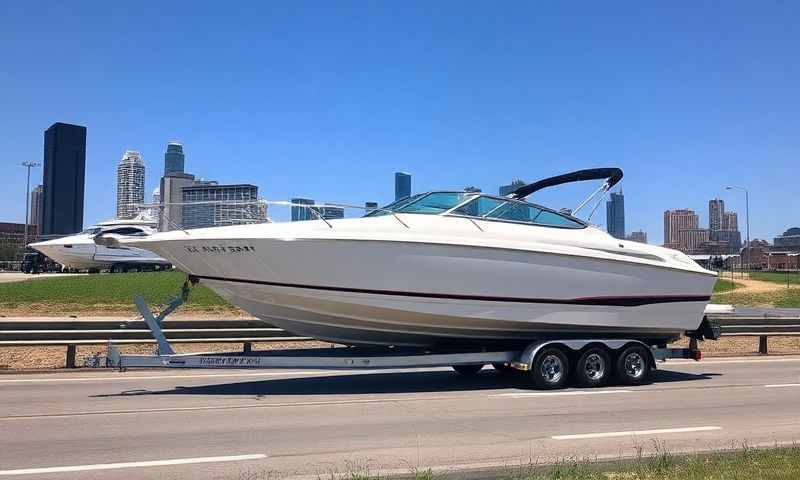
(370, 206)
(331, 213)
(506, 189)
(64, 172)
(615, 215)
(174, 158)
(402, 185)
(208, 204)
(302, 213)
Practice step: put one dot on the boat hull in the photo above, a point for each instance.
(428, 294)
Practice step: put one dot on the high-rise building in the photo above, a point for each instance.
(35, 213)
(790, 240)
(63, 181)
(174, 158)
(370, 206)
(402, 185)
(677, 220)
(730, 221)
(302, 213)
(615, 215)
(331, 213)
(716, 211)
(171, 199)
(156, 196)
(506, 189)
(130, 184)
(209, 204)
(638, 236)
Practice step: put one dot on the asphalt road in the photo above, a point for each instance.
(242, 424)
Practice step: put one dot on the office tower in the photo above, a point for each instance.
(370, 206)
(693, 240)
(615, 215)
(302, 213)
(331, 213)
(677, 220)
(174, 158)
(171, 199)
(156, 196)
(730, 221)
(506, 189)
(638, 236)
(63, 181)
(402, 185)
(35, 214)
(716, 210)
(209, 204)
(130, 184)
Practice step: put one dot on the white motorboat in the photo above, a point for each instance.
(81, 252)
(446, 268)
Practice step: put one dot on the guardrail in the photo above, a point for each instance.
(72, 332)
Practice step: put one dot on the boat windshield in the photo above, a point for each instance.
(504, 209)
(426, 203)
(92, 230)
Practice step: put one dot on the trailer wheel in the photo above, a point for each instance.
(593, 367)
(467, 370)
(633, 366)
(550, 368)
(117, 268)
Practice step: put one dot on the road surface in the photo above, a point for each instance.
(235, 424)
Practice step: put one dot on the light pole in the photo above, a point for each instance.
(27, 165)
(747, 216)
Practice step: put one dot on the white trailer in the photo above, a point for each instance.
(551, 363)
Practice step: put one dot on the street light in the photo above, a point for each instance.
(747, 216)
(28, 165)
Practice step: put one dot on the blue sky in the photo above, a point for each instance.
(328, 99)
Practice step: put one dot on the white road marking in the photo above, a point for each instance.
(778, 385)
(724, 362)
(558, 394)
(111, 466)
(221, 407)
(580, 436)
(157, 377)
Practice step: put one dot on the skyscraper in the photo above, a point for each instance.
(64, 171)
(716, 211)
(35, 215)
(402, 185)
(506, 189)
(302, 213)
(730, 221)
(209, 204)
(130, 184)
(638, 236)
(615, 215)
(677, 220)
(174, 158)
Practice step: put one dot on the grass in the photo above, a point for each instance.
(780, 463)
(785, 298)
(105, 292)
(776, 277)
(724, 286)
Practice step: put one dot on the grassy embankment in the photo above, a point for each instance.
(104, 293)
(726, 291)
(746, 464)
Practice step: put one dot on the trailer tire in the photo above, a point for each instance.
(633, 366)
(550, 368)
(467, 370)
(593, 367)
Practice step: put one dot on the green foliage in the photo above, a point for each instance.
(783, 298)
(107, 291)
(723, 286)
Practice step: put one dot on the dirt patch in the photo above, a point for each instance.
(746, 285)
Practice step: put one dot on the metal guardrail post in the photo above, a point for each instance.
(70, 361)
(762, 345)
(247, 347)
